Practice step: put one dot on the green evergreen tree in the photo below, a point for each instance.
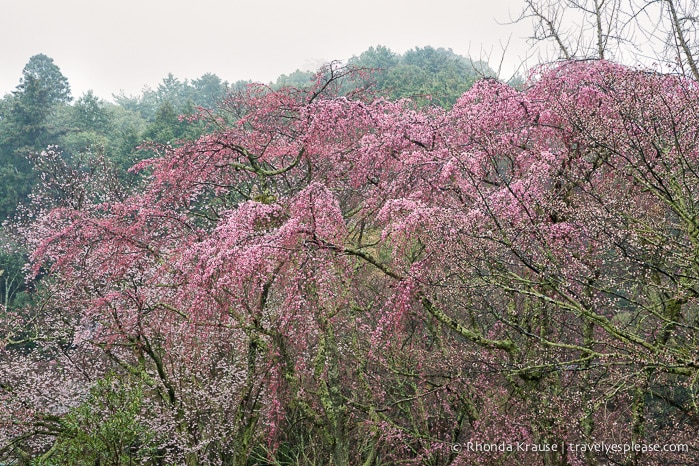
(209, 90)
(26, 126)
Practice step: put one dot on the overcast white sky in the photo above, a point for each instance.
(115, 45)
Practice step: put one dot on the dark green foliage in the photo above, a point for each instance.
(27, 123)
(183, 96)
(379, 58)
(169, 128)
(208, 90)
(298, 78)
(12, 283)
(107, 429)
(125, 134)
(427, 75)
(90, 113)
(44, 82)
(42, 89)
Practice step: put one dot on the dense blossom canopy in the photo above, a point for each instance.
(326, 276)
